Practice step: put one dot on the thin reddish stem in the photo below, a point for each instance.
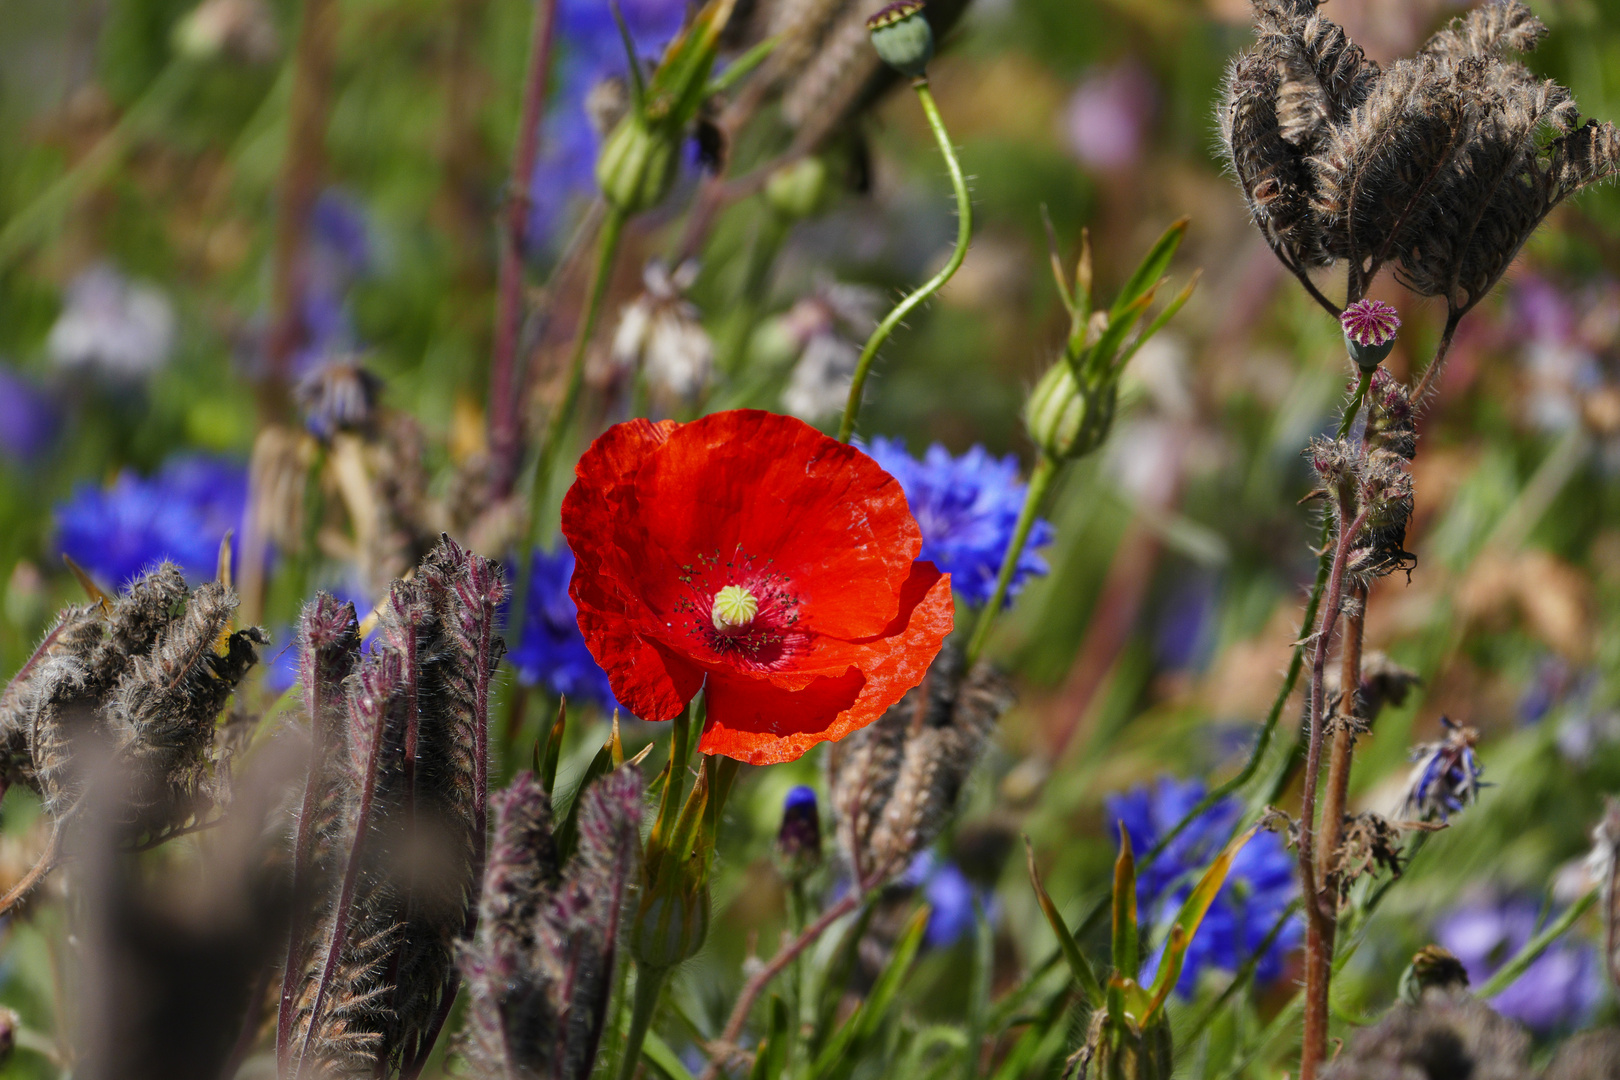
(505, 377)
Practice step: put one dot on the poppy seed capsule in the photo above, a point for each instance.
(902, 37)
(1369, 332)
(636, 167)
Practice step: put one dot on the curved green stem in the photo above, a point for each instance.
(1039, 480)
(649, 983)
(964, 232)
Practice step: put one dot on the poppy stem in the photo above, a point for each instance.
(649, 983)
(964, 232)
(1039, 480)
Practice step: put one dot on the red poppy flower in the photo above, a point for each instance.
(749, 553)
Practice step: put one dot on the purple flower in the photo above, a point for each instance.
(549, 650)
(1558, 991)
(28, 418)
(112, 326)
(954, 902)
(1258, 889)
(967, 508)
(180, 513)
(1108, 115)
(1446, 777)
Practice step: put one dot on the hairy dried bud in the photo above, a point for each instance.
(894, 783)
(1446, 777)
(1443, 164)
(1370, 844)
(540, 971)
(1446, 1035)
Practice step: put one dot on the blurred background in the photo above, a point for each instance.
(142, 149)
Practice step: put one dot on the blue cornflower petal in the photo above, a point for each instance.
(28, 418)
(179, 514)
(1558, 991)
(967, 508)
(1259, 887)
(550, 650)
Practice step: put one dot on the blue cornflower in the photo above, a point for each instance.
(180, 513)
(967, 508)
(798, 841)
(954, 902)
(550, 650)
(28, 418)
(1558, 991)
(339, 254)
(591, 50)
(1446, 776)
(1258, 889)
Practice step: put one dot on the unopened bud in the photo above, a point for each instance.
(902, 37)
(637, 165)
(1065, 421)
(672, 922)
(796, 190)
(798, 842)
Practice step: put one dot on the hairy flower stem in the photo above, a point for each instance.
(1319, 924)
(726, 1045)
(1046, 469)
(964, 233)
(505, 378)
(649, 983)
(1337, 794)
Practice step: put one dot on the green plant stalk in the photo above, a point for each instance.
(1046, 469)
(964, 233)
(649, 984)
(1533, 948)
(607, 247)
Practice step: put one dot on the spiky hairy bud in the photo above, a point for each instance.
(540, 971)
(894, 783)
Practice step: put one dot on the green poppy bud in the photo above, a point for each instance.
(902, 36)
(637, 165)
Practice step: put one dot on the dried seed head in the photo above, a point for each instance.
(895, 782)
(1448, 1034)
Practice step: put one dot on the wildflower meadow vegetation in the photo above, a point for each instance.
(809, 539)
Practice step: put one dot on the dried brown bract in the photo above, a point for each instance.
(895, 782)
(1445, 1037)
(1442, 165)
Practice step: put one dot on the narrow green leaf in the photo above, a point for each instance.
(836, 1061)
(1100, 359)
(1126, 961)
(1151, 270)
(568, 827)
(681, 80)
(771, 1059)
(1192, 912)
(1078, 964)
(638, 82)
(657, 1053)
(1159, 321)
(835, 979)
(740, 67)
(1056, 259)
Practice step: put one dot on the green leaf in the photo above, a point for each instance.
(1099, 362)
(1192, 912)
(1159, 321)
(1078, 964)
(568, 827)
(680, 83)
(547, 767)
(839, 1058)
(1126, 957)
(1151, 270)
(835, 980)
(771, 1060)
(656, 1052)
(1033, 1043)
